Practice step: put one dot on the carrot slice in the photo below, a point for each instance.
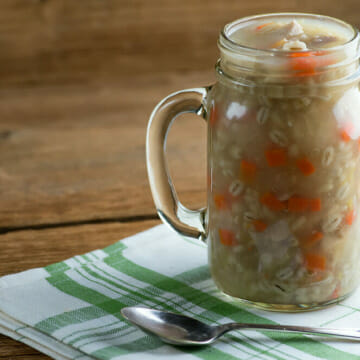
(213, 116)
(296, 54)
(314, 238)
(272, 202)
(305, 166)
(259, 225)
(346, 131)
(248, 169)
(345, 136)
(315, 204)
(276, 157)
(350, 217)
(262, 26)
(224, 201)
(315, 262)
(227, 237)
(304, 64)
(220, 201)
(298, 204)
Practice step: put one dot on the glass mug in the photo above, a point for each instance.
(283, 156)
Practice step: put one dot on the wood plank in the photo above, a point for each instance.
(85, 79)
(62, 41)
(14, 350)
(77, 153)
(22, 250)
(26, 249)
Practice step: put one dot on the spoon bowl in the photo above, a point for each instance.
(170, 327)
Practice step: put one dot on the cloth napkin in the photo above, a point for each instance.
(70, 310)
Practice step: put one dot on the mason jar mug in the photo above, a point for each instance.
(281, 221)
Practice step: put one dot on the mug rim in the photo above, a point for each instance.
(227, 43)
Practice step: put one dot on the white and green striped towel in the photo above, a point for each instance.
(70, 310)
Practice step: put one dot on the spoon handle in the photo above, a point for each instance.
(343, 333)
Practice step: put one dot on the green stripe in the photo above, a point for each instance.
(164, 304)
(206, 353)
(118, 248)
(71, 287)
(78, 332)
(115, 249)
(140, 295)
(86, 257)
(268, 353)
(58, 267)
(165, 283)
(234, 339)
(67, 285)
(201, 274)
(57, 322)
(210, 353)
(198, 274)
(337, 318)
(109, 352)
(141, 345)
(117, 333)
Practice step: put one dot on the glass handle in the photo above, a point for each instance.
(185, 221)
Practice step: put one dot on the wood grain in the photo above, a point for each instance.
(77, 84)
(62, 41)
(22, 250)
(14, 350)
(74, 154)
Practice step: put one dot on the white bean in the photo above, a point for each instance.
(332, 223)
(326, 187)
(298, 223)
(262, 115)
(236, 187)
(285, 273)
(249, 216)
(294, 45)
(328, 156)
(279, 138)
(343, 192)
(227, 172)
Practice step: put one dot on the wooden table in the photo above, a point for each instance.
(78, 81)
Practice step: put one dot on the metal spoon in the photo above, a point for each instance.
(183, 330)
